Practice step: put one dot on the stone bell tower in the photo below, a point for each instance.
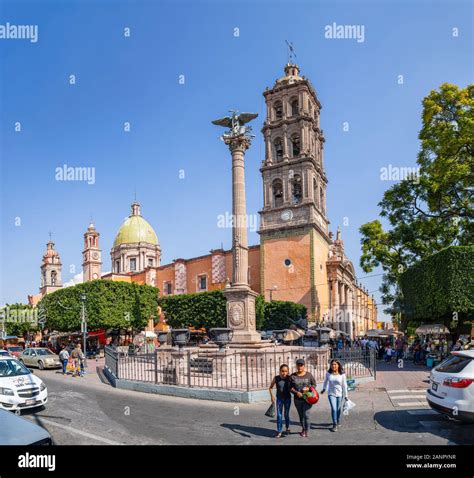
(92, 261)
(50, 270)
(293, 221)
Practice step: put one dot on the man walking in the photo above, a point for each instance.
(64, 357)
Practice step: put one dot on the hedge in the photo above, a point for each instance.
(208, 309)
(440, 285)
(108, 304)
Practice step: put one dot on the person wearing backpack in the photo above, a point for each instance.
(336, 385)
(64, 357)
(283, 399)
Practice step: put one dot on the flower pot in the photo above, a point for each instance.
(221, 336)
(180, 337)
(162, 337)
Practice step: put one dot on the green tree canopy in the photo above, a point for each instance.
(108, 304)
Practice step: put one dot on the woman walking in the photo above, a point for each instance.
(300, 382)
(336, 385)
(283, 399)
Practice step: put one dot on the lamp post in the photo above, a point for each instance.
(84, 327)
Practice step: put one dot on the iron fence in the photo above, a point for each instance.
(357, 362)
(226, 369)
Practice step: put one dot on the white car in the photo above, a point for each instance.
(451, 390)
(19, 387)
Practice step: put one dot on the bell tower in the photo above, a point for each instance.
(92, 261)
(293, 221)
(50, 270)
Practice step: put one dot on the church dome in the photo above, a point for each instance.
(135, 229)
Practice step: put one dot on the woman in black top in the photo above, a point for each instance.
(283, 398)
(300, 381)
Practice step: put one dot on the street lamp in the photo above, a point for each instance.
(271, 292)
(84, 327)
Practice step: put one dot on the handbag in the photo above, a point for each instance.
(271, 411)
(311, 396)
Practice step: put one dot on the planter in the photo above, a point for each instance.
(279, 335)
(221, 336)
(180, 337)
(162, 337)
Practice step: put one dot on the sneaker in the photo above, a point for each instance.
(334, 428)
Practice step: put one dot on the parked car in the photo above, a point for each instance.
(15, 430)
(451, 390)
(14, 350)
(5, 353)
(19, 387)
(40, 357)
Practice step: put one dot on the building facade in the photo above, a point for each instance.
(297, 258)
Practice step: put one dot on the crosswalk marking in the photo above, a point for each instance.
(409, 404)
(399, 397)
(398, 391)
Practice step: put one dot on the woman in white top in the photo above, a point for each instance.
(336, 385)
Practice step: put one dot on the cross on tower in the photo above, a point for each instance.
(291, 51)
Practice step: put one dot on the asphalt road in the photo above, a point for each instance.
(82, 411)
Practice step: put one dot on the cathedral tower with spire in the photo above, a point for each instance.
(50, 270)
(92, 259)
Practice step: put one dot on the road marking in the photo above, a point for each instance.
(398, 391)
(408, 396)
(422, 412)
(78, 432)
(409, 404)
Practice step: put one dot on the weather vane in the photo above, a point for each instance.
(291, 51)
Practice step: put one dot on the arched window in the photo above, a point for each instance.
(277, 188)
(315, 192)
(278, 146)
(53, 277)
(296, 189)
(278, 108)
(294, 107)
(295, 145)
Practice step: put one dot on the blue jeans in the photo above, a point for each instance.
(65, 365)
(283, 404)
(336, 407)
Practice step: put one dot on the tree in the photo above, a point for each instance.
(108, 304)
(432, 210)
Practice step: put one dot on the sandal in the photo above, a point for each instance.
(279, 435)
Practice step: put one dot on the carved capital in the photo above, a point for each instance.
(240, 142)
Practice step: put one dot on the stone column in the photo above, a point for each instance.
(240, 298)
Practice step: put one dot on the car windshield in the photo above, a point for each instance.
(43, 352)
(453, 364)
(15, 349)
(12, 368)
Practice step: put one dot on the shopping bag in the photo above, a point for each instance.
(348, 405)
(271, 411)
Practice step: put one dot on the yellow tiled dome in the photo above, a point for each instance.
(135, 229)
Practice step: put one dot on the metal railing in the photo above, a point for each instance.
(228, 369)
(357, 362)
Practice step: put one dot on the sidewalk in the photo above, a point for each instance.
(392, 377)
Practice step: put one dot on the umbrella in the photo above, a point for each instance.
(373, 333)
(426, 329)
(150, 335)
(292, 335)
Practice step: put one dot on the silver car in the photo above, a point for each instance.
(40, 357)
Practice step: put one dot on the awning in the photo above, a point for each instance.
(427, 329)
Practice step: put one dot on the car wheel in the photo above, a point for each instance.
(41, 365)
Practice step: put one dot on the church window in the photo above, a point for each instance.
(294, 107)
(315, 191)
(278, 149)
(53, 278)
(117, 267)
(277, 187)
(321, 199)
(278, 110)
(133, 264)
(295, 145)
(150, 262)
(296, 189)
(168, 288)
(287, 262)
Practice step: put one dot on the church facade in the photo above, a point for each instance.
(298, 258)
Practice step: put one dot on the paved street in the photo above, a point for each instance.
(389, 411)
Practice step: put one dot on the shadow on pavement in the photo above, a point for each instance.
(249, 431)
(401, 421)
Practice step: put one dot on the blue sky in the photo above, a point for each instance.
(136, 79)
